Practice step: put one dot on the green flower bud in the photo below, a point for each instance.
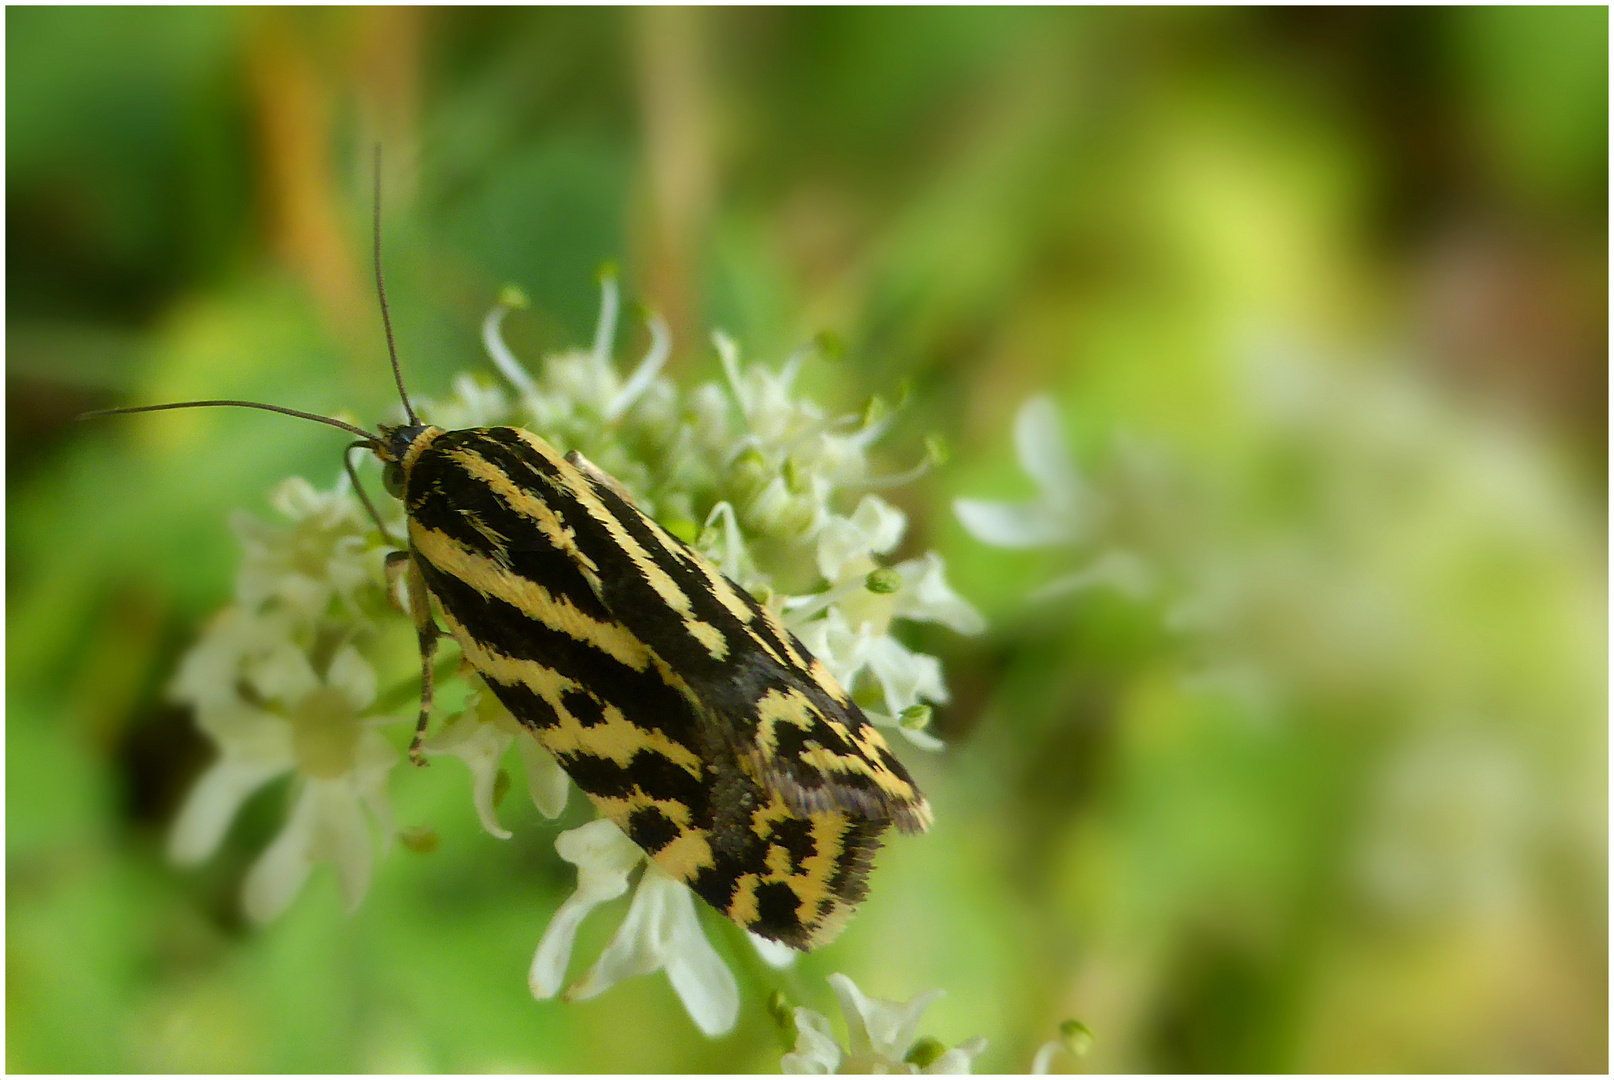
(829, 345)
(924, 1052)
(796, 476)
(915, 717)
(883, 580)
(512, 297)
(1077, 1039)
(779, 1008)
(421, 839)
(936, 451)
(750, 472)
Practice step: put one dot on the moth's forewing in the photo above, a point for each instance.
(679, 705)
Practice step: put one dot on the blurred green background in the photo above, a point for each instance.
(1333, 798)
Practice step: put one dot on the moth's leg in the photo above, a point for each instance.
(426, 632)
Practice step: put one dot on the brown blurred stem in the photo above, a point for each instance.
(675, 104)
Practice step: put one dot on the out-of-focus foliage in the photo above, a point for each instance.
(1320, 295)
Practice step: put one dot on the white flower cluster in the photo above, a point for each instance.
(778, 493)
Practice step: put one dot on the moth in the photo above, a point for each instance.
(682, 707)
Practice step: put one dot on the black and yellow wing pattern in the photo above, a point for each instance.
(682, 707)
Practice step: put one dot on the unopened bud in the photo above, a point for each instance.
(915, 717)
(421, 839)
(511, 296)
(883, 580)
(779, 1008)
(750, 471)
(797, 477)
(829, 345)
(1077, 1039)
(924, 1053)
(936, 451)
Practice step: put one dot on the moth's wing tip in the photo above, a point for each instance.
(910, 813)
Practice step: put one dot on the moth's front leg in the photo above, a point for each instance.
(426, 632)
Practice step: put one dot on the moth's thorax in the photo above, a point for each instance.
(404, 443)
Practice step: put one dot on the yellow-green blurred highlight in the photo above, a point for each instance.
(1320, 295)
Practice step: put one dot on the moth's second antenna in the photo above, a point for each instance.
(381, 290)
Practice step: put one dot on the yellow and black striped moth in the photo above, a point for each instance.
(682, 707)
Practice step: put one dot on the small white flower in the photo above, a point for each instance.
(906, 677)
(925, 596)
(324, 552)
(853, 636)
(661, 931)
(880, 1038)
(764, 396)
(475, 403)
(314, 726)
(874, 528)
(1061, 513)
(844, 651)
(578, 378)
(843, 457)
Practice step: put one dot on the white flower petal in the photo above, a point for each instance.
(958, 1060)
(816, 1053)
(502, 357)
(481, 746)
(775, 954)
(1039, 442)
(728, 551)
(922, 739)
(353, 676)
(371, 772)
(547, 783)
(283, 674)
(702, 981)
(926, 596)
(604, 857)
(213, 803)
(639, 945)
(247, 734)
(343, 838)
(648, 369)
(875, 527)
(605, 329)
(1015, 525)
(875, 1026)
(906, 677)
(1043, 1062)
(843, 651)
(280, 872)
(296, 498)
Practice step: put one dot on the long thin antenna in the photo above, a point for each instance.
(381, 290)
(238, 404)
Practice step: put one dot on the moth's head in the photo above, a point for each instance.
(393, 450)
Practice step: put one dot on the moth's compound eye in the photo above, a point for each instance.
(392, 478)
